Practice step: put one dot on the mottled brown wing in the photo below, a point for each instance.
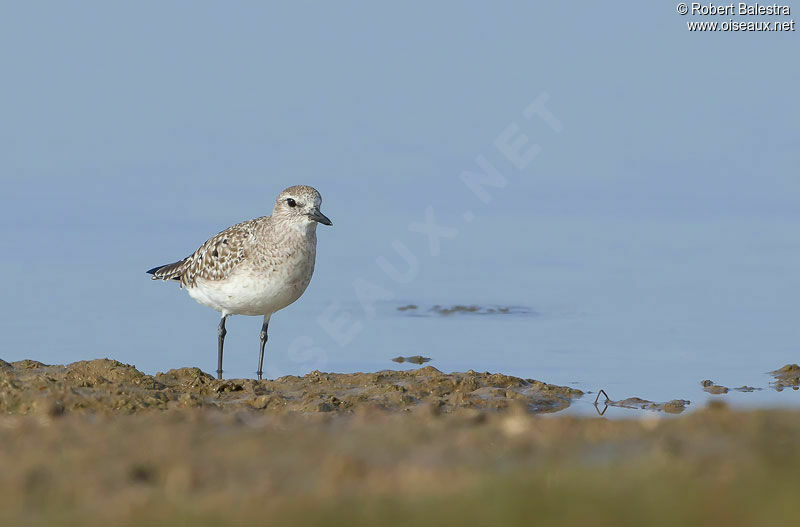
(220, 255)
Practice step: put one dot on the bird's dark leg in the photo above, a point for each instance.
(261, 350)
(221, 332)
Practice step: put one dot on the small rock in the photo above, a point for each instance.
(260, 402)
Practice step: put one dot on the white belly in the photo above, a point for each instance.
(247, 292)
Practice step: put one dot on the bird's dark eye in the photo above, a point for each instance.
(291, 202)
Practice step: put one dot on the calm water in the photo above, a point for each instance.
(639, 308)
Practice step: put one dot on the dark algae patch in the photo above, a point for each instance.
(462, 309)
(477, 310)
(414, 359)
(104, 386)
(441, 310)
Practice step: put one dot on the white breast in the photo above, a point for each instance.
(258, 288)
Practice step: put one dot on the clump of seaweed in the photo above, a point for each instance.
(454, 309)
(464, 309)
(746, 388)
(414, 359)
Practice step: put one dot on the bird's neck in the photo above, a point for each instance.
(304, 230)
(296, 232)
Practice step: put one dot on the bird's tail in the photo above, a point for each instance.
(171, 271)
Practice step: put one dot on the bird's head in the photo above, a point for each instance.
(300, 204)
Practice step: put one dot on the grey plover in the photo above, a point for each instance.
(256, 267)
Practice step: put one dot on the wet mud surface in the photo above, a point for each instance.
(207, 467)
(101, 443)
(787, 377)
(105, 386)
(675, 406)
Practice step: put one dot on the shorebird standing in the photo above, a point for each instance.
(256, 267)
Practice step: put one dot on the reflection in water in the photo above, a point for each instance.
(414, 359)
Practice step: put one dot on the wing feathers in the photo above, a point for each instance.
(214, 260)
(171, 271)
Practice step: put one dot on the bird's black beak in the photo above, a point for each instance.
(319, 217)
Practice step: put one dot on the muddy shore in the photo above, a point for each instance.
(100, 443)
(104, 386)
